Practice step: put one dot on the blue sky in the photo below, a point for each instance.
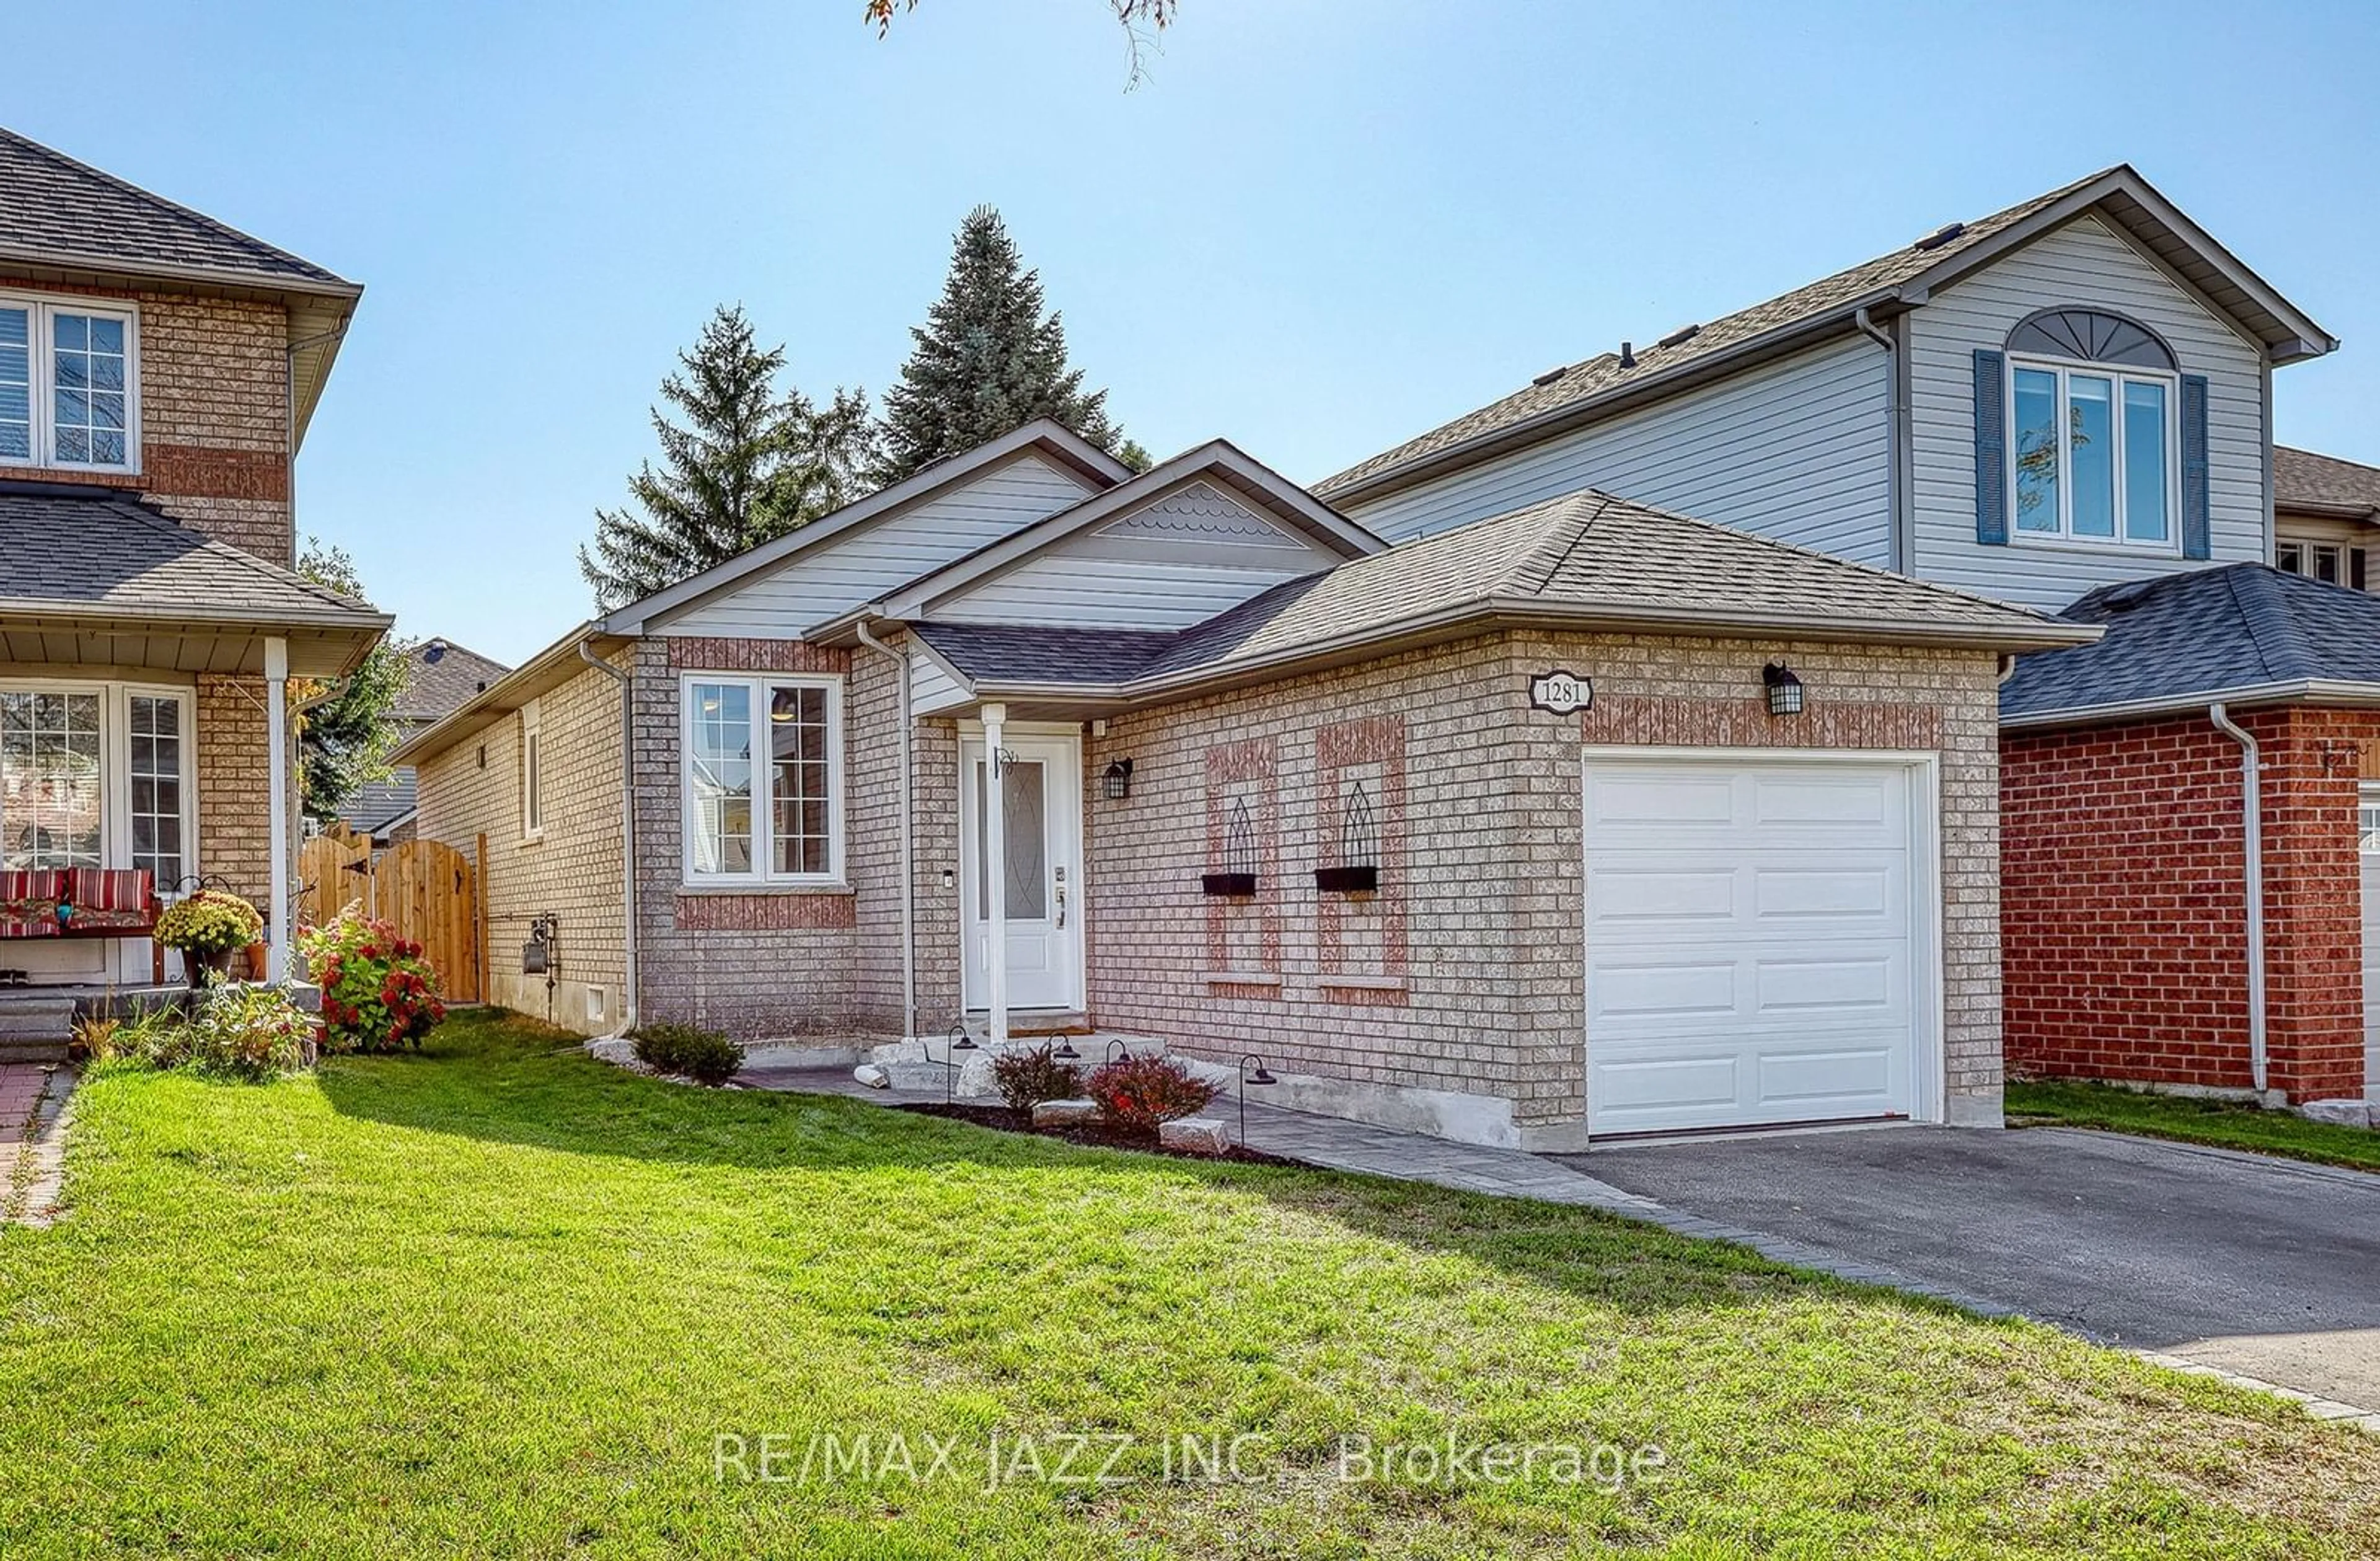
(1316, 229)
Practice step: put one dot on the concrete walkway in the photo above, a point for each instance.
(1338, 1145)
(33, 1100)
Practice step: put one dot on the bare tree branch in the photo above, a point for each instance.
(1144, 23)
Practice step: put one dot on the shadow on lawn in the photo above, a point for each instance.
(515, 1085)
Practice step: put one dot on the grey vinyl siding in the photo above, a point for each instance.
(1177, 561)
(1798, 450)
(931, 688)
(2083, 264)
(837, 576)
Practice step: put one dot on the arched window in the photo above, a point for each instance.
(2093, 436)
(2091, 334)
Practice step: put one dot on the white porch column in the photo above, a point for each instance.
(995, 868)
(276, 741)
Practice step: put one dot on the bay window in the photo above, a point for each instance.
(68, 391)
(763, 779)
(95, 776)
(2093, 454)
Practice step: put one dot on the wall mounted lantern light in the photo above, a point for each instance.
(1115, 785)
(1784, 689)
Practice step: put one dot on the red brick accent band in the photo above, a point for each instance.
(1253, 767)
(1338, 748)
(765, 913)
(70, 477)
(1667, 721)
(198, 472)
(755, 655)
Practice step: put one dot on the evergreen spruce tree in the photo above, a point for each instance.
(744, 465)
(986, 360)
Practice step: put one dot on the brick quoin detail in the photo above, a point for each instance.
(697, 654)
(1371, 742)
(766, 913)
(2123, 877)
(1248, 770)
(1675, 722)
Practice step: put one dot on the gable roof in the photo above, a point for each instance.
(1219, 462)
(2306, 482)
(62, 218)
(1586, 560)
(1892, 282)
(1043, 435)
(435, 688)
(2241, 634)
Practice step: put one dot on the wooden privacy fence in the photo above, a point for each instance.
(426, 889)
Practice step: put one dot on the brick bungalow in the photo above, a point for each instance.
(2190, 858)
(1588, 818)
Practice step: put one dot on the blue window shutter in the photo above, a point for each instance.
(1991, 449)
(2197, 515)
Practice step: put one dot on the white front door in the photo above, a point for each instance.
(2368, 836)
(1041, 877)
(1752, 948)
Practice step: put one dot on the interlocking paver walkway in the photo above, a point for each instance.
(34, 1099)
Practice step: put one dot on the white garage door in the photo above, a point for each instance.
(1749, 943)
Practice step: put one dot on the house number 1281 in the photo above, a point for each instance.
(1564, 693)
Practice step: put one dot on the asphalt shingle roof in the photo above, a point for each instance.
(86, 555)
(2301, 477)
(2201, 633)
(1586, 551)
(435, 689)
(52, 204)
(376, 803)
(1580, 381)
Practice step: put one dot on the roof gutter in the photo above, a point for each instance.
(2304, 691)
(2252, 832)
(629, 1008)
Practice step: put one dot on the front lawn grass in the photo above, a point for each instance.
(2228, 1124)
(500, 1300)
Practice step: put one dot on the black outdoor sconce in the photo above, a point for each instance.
(1115, 783)
(1358, 872)
(1784, 689)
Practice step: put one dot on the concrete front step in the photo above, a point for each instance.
(29, 1018)
(32, 1051)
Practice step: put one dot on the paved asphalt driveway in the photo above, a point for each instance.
(2265, 1267)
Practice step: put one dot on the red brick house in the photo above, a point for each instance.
(2190, 815)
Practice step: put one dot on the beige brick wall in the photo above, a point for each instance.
(572, 870)
(234, 767)
(1491, 998)
(213, 380)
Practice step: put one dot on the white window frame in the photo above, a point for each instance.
(764, 811)
(532, 773)
(116, 761)
(44, 308)
(2065, 368)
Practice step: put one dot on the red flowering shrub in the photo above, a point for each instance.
(378, 991)
(1143, 1092)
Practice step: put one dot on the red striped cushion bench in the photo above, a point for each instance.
(104, 902)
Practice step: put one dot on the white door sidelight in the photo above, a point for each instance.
(1758, 951)
(1041, 875)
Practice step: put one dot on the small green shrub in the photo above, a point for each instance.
(1026, 1078)
(704, 1055)
(237, 1030)
(378, 991)
(1140, 1092)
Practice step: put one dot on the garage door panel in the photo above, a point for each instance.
(1750, 963)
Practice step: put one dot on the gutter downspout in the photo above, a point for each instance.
(908, 846)
(1892, 439)
(629, 1005)
(2252, 830)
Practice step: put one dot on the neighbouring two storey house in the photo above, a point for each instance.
(2066, 405)
(157, 373)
